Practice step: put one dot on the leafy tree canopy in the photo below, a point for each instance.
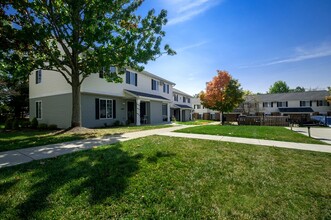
(279, 87)
(223, 93)
(80, 37)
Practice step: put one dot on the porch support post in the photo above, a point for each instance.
(137, 112)
(168, 112)
(180, 114)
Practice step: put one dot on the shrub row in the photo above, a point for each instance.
(15, 124)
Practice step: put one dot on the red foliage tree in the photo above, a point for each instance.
(222, 94)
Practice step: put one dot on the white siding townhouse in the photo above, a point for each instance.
(142, 98)
(181, 108)
(297, 105)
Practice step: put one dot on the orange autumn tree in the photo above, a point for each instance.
(222, 94)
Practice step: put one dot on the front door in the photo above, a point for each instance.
(183, 116)
(131, 112)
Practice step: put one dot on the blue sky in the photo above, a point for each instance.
(257, 41)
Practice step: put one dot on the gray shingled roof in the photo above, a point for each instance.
(183, 106)
(147, 95)
(292, 96)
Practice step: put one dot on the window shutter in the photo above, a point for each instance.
(97, 109)
(114, 108)
(286, 103)
(37, 77)
(36, 109)
(152, 84)
(311, 103)
(136, 79)
(127, 77)
(272, 104)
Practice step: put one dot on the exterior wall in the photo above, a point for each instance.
(156, 112)
(186, 115)
(52, 83)
(202, 110)
(180, 99)
(295, 103)
(96, 85)
(89, 115)
(55, 110)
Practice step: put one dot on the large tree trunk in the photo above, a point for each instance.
(76, 102)
(222, 118)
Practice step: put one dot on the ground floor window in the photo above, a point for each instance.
(165, 112)
(38, 109)
(106, 108)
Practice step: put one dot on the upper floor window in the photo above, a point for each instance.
(155, 85)
(305, 103)
(38, 76)
(184, 99)
(38, 109)
(131, 78)
(322, 103)
(197, 106)
(103, 71)
(268, 104)
(188, 100)
(176, 97)
(282, 104)
(166, 88)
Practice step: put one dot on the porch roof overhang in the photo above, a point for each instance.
(146, 96)
(297, 110)
(182, 106)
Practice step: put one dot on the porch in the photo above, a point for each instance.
(145, 108)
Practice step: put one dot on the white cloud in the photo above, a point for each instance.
(301, 54)
(181, 49)
(184, 10)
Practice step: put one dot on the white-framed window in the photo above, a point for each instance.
(105, 108)
(38, 110)
(267, 104)
(176, 97)
(166, 88)
(305, 103)
(281, 104)
(184, 99)
(38, 76)
(188, 100)
(131, 78)
(155, 85)
(165, 112)
(322, 103)
(103, 71)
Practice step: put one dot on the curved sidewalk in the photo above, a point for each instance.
(15, 157)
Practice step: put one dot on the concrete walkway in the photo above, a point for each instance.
(322, 134)
(15, 157)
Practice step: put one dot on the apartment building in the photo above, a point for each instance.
(181, 108)
(142, 98)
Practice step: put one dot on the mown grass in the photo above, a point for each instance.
(196, 122)
(171, 178)
(30, 138)
(258, 132)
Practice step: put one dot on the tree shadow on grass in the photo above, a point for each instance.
(99, 173)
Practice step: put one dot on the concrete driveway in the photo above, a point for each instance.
(322, 134)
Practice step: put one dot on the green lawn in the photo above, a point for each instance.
(196, 122)
(29, 138)
(259, 132)
(171, 178)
